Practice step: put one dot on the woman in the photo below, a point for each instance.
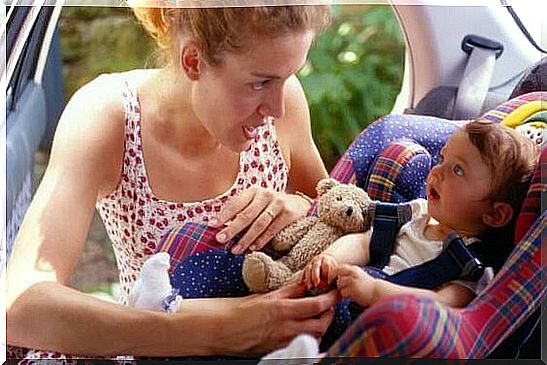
(225, 121)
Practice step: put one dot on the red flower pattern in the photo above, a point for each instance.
(136, 220)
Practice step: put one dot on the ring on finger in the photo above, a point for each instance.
(270, 213)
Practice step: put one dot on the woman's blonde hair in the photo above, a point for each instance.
(221, 30)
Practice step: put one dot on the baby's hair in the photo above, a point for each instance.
(510, 156)
(221, 30)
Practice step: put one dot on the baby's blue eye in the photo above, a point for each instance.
(458, 170)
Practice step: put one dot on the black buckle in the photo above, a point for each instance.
(471, 40)
(391, 213)
(470, 266)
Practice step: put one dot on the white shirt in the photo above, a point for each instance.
(412, 248)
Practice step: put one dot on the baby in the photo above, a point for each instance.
(476, 190)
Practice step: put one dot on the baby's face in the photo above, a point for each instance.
(458, 188)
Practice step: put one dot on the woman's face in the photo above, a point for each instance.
(235, 97)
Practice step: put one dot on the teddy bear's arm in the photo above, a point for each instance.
(293, 233)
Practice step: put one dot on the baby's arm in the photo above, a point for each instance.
(365, 290)
(349, 249)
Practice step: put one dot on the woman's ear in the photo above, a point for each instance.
(499, 216)
(191, 61)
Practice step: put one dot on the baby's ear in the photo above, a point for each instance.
(499, 216)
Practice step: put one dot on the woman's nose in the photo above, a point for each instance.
(273, 105)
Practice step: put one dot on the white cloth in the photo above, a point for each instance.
(412, 248)
(303, 349)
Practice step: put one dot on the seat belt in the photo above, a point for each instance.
(477, 75)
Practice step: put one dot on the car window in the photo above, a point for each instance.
(25, 69)
(531, 15)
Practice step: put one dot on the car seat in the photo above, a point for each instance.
(390, 159)
(501, 321)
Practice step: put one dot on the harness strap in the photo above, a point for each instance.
(387, 220)
(457, 261)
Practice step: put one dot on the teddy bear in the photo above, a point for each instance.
(341, 209)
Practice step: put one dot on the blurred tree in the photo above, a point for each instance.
(97, 40)
(353, 75)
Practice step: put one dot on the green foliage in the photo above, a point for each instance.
(353, 75)
(97, 40)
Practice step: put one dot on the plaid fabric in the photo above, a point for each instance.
(343, 171)
(410, 326)
(499, 113)
(531, 207)
(186, 240)
(183, 241)
(385, 173)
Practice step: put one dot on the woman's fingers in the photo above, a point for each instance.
(253, 213)
(233, 207)
(261, 212)
(267, 223)
(261, 239)
(314, 326)
(302, 308)
(293, 290)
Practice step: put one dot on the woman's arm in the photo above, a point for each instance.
(42, 312)
(300, 151)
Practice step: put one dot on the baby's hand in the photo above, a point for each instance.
(356, 284)
(320, 271)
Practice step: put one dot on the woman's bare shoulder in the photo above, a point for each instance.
(92, 128)
(296, 118)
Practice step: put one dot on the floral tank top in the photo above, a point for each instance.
(136, 220)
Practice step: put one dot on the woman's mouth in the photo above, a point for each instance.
(249, 132)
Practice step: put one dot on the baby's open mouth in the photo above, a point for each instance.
(433, 194)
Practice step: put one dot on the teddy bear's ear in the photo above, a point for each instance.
(325, 185)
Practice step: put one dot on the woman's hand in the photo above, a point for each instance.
(262, 323)
(354, 283)
(262, 212)
(321, 267)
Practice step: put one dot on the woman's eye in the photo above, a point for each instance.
(339, 198)
(259, 85)
(458, 170)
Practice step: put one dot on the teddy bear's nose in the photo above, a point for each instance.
(349, 212)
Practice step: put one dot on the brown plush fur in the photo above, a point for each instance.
(342, 209)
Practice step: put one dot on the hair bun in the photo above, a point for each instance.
(154, 22)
